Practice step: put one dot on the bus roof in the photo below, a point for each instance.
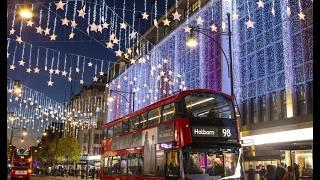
(166, 100)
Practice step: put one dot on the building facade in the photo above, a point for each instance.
(273, 76)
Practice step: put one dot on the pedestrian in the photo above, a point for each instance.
(262, 173)
(271, 172)
(289, 175)
(251, 173)
(296, 171)
(93, 172)
(280, 171)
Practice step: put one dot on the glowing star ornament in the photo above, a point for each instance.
(65, 21)
(12, 31)
(57, 71)
(129, 50)
(69, 79)
(93, 27)
(12, 66)
(123, 25)
(118, 53)
(235, 16)
(165, 60)
(126, 55)
(71, 35)
(53, 37)
(30, 23)
(288, 11)
(64, 73)
(73, 24)
(81, 12)
(187, 29)
(176, 16)
(155, 23)
(60, 5)
(29, 70)
(21, 62)
(273, 11)
(132, 61)
(145, 15)
(19, 40)
(101, 73)
(51, 71)
(46, 31)
(50, 83)
(166, 22)
(105, 25)
(249, 24)
(90, 64)
(260, 4)
(301, 16)
(116, 41)
(39, 29)
(133, 35)
(214, 28)
(81, 81)
(200, 21)
(99, 27)
(95, 79)
(110, 45)
(36, 70)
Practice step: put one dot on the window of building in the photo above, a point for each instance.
(115, 165)
(310, 89)
(143, 119)
(273, 107)
(154, 116)
(85, 137)
(124, 165)
(134, 123)
(301, 100)
(97, 139)
(96, 150)
(126, 126)
(168, 112)
(262, 109)
(244, 112)
(283, 102)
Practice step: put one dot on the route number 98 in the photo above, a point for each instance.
(226, 132)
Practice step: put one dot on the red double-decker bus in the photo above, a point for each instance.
(190, 135)
(21, 164)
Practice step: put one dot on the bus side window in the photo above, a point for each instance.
(126, 126)
(134, 123)
(168, 112)
(133, 165)
(154, 116)
(140, 162)
(144, 120)
(124, 165)
(115, 165)
(110, 132)
(117, 129)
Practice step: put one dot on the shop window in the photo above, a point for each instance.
(133, 166)
(124, 165)
(283, 103)
(273, 107)
(154, 116)
(160, 161)
(168, 112)
(262, 109)
(115, 165)
(301, 100)
(173, 167)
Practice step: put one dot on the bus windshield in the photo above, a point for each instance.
(21, 165)
(207, 105)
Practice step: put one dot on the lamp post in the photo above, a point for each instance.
(192, 42)
(110, 98)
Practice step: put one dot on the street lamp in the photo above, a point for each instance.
(22, 140)
(17, 89)
(192, 42)
(110, 98)
(25, 12)
(44, 133)
(24, 132)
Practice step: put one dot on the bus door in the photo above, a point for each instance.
(172, 166)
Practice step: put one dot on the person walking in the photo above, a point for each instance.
(296, 171)
(262, 173)
(280, 172)
(289, 175)
(251, 173)
(271, 172)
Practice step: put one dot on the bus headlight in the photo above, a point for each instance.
(29, 171)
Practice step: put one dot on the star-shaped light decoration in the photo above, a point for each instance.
(69, 79)
(301, 16)
(223, 25)
(51, 71)
(187, 29)
(57, 71)
(129, 50)
(235, 16)
(101, 73)
(288, 11)
(126, 55)
(123, 25)
(176, 16)
(116, 40)
(12, 30)
(77, 69)
(110, 45)
(73, 24)
(90, 64)
(155, 23)
(81, 81)
(118, 53)
(166, 22)
(133, 35)
(145, 15)
(36, 70)
(249, 24)
(50, 83)
(30, 23)
(39, 29)
(132, 61)
(60, 5)
(64, 73)
(112, 36)
(46, 31)
(214, 28)
(65, 21)
(105, 25)
(273, 11)
(260, 4)
(71, 35)
(93, 27)
(12, 66)
(19, 40)
(81, 12)
(162, 73)
(29, 70)
(95, 79)
(200, 21)
(21, 62)
(53, 37)
(99, 27)
(165, 60)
